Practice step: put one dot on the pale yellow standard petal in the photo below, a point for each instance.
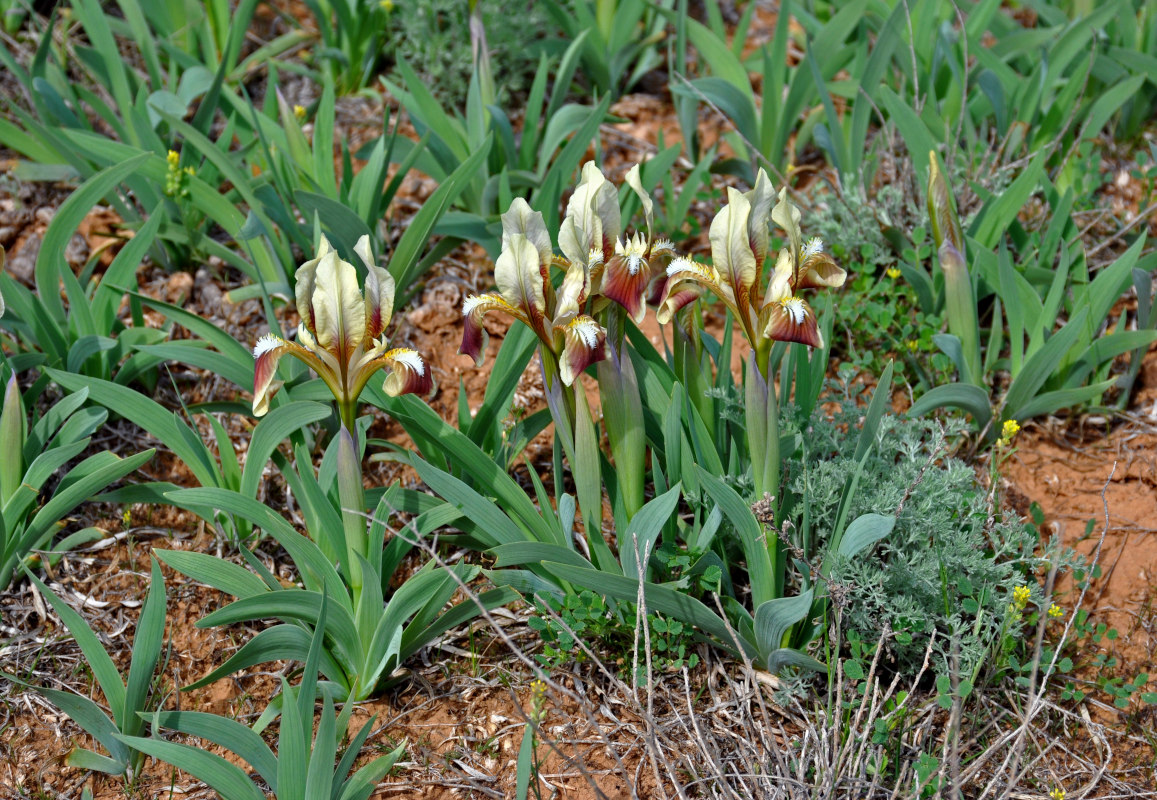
(338, 307)
(780, 286)
(379, 302)
(635, 181)
(364, 252)
(379, 292)
(787, 216)
(760, 197)
(305, 285)
(520, 218)
(572, 293)
(594, 208)
(574, 244)
(731, 251)
(516, 273)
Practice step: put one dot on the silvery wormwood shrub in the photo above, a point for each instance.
(949, 565)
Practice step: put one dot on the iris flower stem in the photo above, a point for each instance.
(352, 498)
(762, 348)
(564, 414)
(761, 409)
(350, 493)
(623, 412)
(580, 445)
(347, 410)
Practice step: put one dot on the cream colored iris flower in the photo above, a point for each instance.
(341, 334)
(621, 267)
(522, 274)
(739, 247)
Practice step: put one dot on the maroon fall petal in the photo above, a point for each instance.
(791, 320)
(625, 288)
(409, 374)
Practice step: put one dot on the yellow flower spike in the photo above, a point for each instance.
(1008, 431)
(299, 113)
(1057, 793)
(893, 273)
(1055, 611)
(341, 334)
(1021, 596)
(537, 700)
(912, 345)
(176, 178)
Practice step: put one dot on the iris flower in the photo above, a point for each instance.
(739, 247)
(572, 339)
(621, 269)
(341, 334)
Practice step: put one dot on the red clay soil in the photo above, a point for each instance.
(1097, 489)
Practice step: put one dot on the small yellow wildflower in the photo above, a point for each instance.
(387, 5)
(913, 345)
(537, 700)
(127, 517)
(1007, 432)
(1057, 793)
(176, 180)
(893, 273)
(1056, 611)
(1020, 596)
(299, 113)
